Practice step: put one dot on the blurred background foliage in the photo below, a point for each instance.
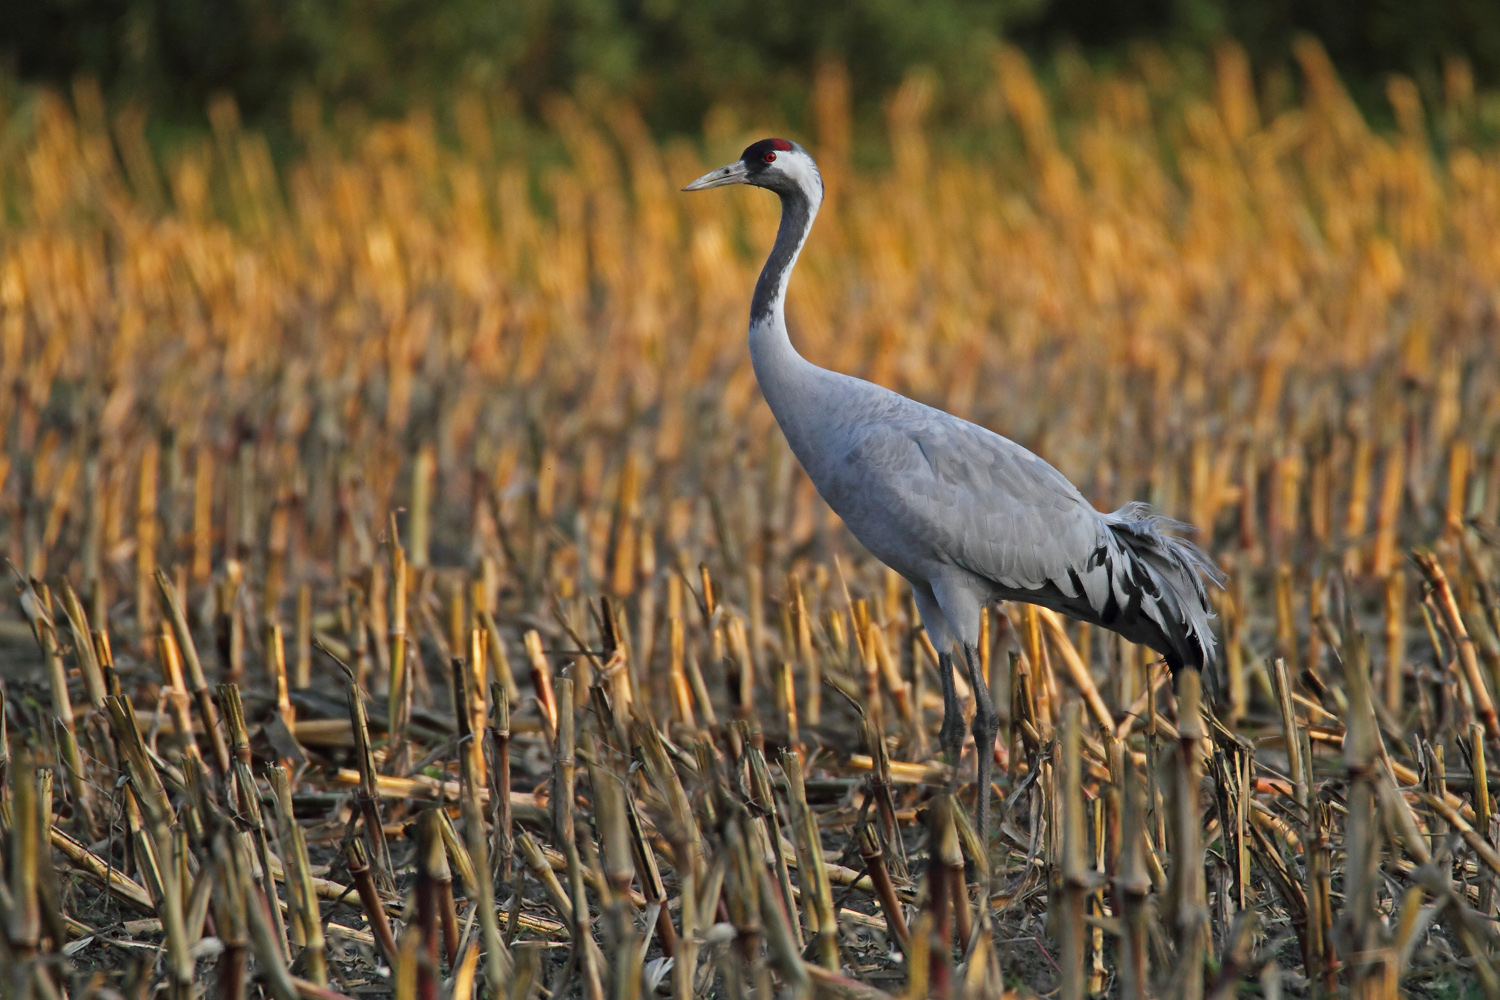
(677, 58)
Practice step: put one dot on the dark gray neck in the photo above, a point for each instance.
(787, 380)
(797, 213)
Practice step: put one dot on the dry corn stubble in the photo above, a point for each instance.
(437, 409)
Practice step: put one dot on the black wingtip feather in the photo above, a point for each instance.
(1177, 568)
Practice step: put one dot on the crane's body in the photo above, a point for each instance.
(967, 516)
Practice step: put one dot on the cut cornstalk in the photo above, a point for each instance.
(369, 897)
(1133, 891)
(398, 705)
(307, 917)
(1186, 890)
(149, 793)
(434, 892)
(1075, 877)
(83, 647)
(885, 891)
(369, 789)
(197, 683)
(248, 805)
(499, 775)
(1483, 810)
(817, 893)
(564, 776)
(1468, 659)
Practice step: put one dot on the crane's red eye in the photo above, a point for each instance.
(770, 157)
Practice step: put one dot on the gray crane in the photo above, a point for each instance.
(966, 516)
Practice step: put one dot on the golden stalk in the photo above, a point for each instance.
(151, 796)
(276, 670)
(1187, 891)
(83, 647)
(203, 506)
(541, 679)
(783, 944)
(1132, 892)
(498, 659)
(266, 942)
(398, 704)
(654, 891)
(949, 855)
(1383, 554)
(812, 667)
(473, 684)
(369, 896)
(1443, 597)
(101, 873)
(619, 868)
(197, 683)
(885, 892)
(247, 803)
(24, 917)
(1395, 639)
(1290, 731)
(817, 893)
(1075, 880)
(1077, 671)
(145, 538)
(1483, 810)
(419, 523)
(307, 917)
(36, 605)
(936, 919)
(458, 294)
(302, 674)
(230, 920)
(564, 776)
(498, 963)
(536, 862)
(369, 793)
(500, 797)
(434, 891)
(175, 689)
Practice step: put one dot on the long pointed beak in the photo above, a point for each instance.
(733, 173)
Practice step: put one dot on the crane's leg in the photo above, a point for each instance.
(951, 735)
(986, 723)
(935, 621)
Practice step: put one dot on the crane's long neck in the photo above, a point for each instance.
(783, 374)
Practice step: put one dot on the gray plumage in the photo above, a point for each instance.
(978, 518)
(966, 516)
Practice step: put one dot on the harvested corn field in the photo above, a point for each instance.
(415, 598)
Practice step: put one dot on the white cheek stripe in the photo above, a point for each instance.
(800, 167)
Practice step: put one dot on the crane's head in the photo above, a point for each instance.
(777, 164)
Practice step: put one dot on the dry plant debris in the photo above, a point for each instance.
(414, 600)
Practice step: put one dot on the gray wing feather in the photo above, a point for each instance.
(934, 486)
(924, 490)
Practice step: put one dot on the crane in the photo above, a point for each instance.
(966, 516)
